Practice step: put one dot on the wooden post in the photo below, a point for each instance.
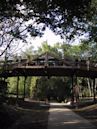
(17, 88)
(72, 79)
(24, 86)
(94, 90)
(72, 95)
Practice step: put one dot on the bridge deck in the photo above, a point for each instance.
(48, 65)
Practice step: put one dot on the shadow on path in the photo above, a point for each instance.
(31, 115)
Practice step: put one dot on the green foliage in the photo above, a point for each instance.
(41, 85)
(68, 18)
(45, 47)
(55, 88)
(84, 83)
(21, 85)
(28, 84)
(59, 89)
(28, 53)
(66, 49)
(33, 88)
(12, 85)
(72, 51)
(63, 17)
(85, 92)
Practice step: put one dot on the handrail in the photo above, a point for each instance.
(11, 64)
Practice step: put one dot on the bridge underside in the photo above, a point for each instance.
(48, 65)
(50, 71)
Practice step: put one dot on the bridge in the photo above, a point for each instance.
(48, 64)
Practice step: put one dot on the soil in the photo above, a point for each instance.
(25, 115)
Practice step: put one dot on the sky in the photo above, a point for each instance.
(48, 36)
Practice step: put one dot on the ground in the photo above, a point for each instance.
(24, 116)
(88, 111)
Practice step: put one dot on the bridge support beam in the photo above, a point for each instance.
(17, 90)
(94, 90)
(24, 87)
(74, 82)
(72, 95)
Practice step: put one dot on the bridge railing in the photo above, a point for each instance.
(79, 64)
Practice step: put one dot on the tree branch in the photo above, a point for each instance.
(6, 47)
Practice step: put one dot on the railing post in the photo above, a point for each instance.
(24, 86)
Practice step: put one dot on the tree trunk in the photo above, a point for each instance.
(89, 86)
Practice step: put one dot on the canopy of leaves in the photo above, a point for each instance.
(62, 16)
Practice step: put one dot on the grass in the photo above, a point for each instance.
(26, 115)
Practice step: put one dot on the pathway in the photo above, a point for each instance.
(63, 118)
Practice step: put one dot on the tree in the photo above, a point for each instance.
(12, 31)
(54, 88)
(71, 51)
(92, 29)
(33, 88)
(58, 89)
(45, 47)
(12, 85)
(41, 88)
(29, 53)
(67, 17)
